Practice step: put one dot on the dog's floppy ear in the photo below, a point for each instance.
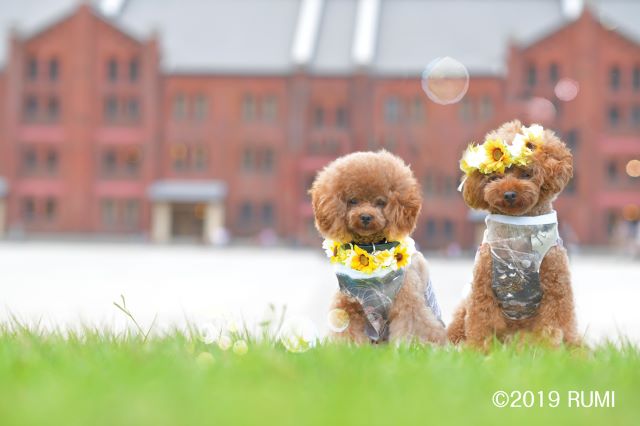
(473, 191)
(403, 207)
(556, 163)
(329, 210)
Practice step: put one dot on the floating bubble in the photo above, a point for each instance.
(210, 332)
(540, 110)
(338, 320)
(224, 342)
(205, 359)
(566, 89)
(298, 335)
(445, 80)
(633, 168)
(240, 347)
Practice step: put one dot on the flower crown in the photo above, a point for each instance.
(354, 257)
(494, 155)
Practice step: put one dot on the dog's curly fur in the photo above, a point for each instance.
(382, 187)
(479, 318)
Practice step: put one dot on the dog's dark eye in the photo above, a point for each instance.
(525, 175)
(380, 202)
(352, 201)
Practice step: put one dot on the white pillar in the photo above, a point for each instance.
(3, 217)
(213, 221)
(161, 222)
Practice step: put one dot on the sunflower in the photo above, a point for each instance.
(532, 136)
(472, 159)
(498, 157)
(362, 261)
(334, 251)
(519, 151)
(402, 256)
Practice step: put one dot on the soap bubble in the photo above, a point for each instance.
(338, 320)
(205, 359)
(566, 89)
(445, 80)
(225, 342)
(240, 347)
(210, 332)
(540, 110)
(298, 334)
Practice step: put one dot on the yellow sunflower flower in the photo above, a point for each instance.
(532, 137)
(362, 261)
(498, 157)
(401, 255)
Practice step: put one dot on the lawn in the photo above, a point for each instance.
(104, 379)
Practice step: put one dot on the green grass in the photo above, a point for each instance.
(102, 379)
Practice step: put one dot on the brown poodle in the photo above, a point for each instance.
(369, 198)
(520, 190)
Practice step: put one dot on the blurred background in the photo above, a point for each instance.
(127, 126)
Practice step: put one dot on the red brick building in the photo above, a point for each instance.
(174, 119)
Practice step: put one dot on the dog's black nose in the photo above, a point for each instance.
(510, 196)
(365, 218)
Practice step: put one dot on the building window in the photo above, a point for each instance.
(131, 213)
(571, 140)
(52, 162)
(248, 108)
(318, 117)
(112, 70)
(392, 110)
(430, 229)
(268, 160)
(32, 69)
(614, 116)
(428, 184)
(635, 115)
(486, 107)
(449, 185)
(108, 213)
(54, 69)
(200, 107)
(29, 160)
(636, 77)
(531, 75)
(133, 109)
(612, 171)
(342, 118)
(554, 73)
(134, 70)
(246, 212)
(270, 109)
(132, 161)
(50, 208)
(267, 214)
(179, 107)
(199, 157)
(416, 110)
(111, 109)
(109, 162)
(449, 229)
(572, 184)
(31, 108)
(614, 78)
(28, 209)
(466, 110)
(248, 159)
(179, 156)
(53, 109)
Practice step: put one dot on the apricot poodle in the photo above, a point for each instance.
(538, 304)
(366, 199)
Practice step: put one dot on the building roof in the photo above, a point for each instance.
(187, 191)
(397, 37)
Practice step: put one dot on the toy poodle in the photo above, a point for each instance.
(521, 281)
(366, 205)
